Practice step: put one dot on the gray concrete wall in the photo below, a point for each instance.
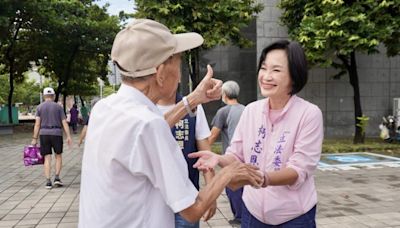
(379, 78)
(233, 63)
(379, 82)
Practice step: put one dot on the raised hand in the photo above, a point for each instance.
(207, 160)
(209, 88)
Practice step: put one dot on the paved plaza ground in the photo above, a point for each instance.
(355, 197)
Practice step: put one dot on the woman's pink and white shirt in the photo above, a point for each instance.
(292, 139)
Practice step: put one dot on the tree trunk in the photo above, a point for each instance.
(58, 90)
(10, 92)
(194, 68)
(11, 60)
(351, 67)
(82, 101)
(359, 136)
(63, 81)
(65, 102)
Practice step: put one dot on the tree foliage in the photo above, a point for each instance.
(15, 54)
(332, 31)
(219, 22)
(67, 39)
(77, 44)
(26, 91)
(332, 28)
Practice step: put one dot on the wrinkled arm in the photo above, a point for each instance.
(204, 145)
(207, 196)
(242, 174)
(179, 110)
(209, 89)
(226, 159)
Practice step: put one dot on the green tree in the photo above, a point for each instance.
(332, 31)
(15, 25)
(26, 92)
(219, 22)
(4, 87)
(68, 36)
(76, 44)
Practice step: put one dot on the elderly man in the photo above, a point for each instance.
(225, 122)
(50, 119)
(133, 171)
(191, 133)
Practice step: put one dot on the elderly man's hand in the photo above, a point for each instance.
(209, 88)
(207, 160)
(244, 174)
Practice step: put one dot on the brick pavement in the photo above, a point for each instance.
(362, 197)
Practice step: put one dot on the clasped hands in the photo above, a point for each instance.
(240, 173)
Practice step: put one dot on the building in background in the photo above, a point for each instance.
(379, 78)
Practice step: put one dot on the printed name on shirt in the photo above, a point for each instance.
(258, 145)
(277, 162)
(182, 132)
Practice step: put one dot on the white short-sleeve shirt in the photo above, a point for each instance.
(133, 171)
(202, 129)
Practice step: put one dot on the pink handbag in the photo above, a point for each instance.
(32, 155)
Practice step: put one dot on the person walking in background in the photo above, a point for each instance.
(84, 113)
(50, 119)
(74, 118)
(282, 135)
(133, 171)
(86, 123)
(224, 123)
(191, 132)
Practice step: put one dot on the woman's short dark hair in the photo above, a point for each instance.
(297, 62)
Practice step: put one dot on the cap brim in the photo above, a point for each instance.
(187, 41)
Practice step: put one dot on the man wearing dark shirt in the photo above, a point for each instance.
(50, 119)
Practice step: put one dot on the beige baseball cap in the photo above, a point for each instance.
(144, 44)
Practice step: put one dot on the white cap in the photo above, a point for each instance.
(48, 91)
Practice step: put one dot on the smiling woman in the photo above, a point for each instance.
(281, 135)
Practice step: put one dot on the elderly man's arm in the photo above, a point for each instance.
(208, 90)
(237, 172)
(208, 175)
(36, 128)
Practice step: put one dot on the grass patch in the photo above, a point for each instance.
(216, 147)
(371, 145)
(346, 145)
